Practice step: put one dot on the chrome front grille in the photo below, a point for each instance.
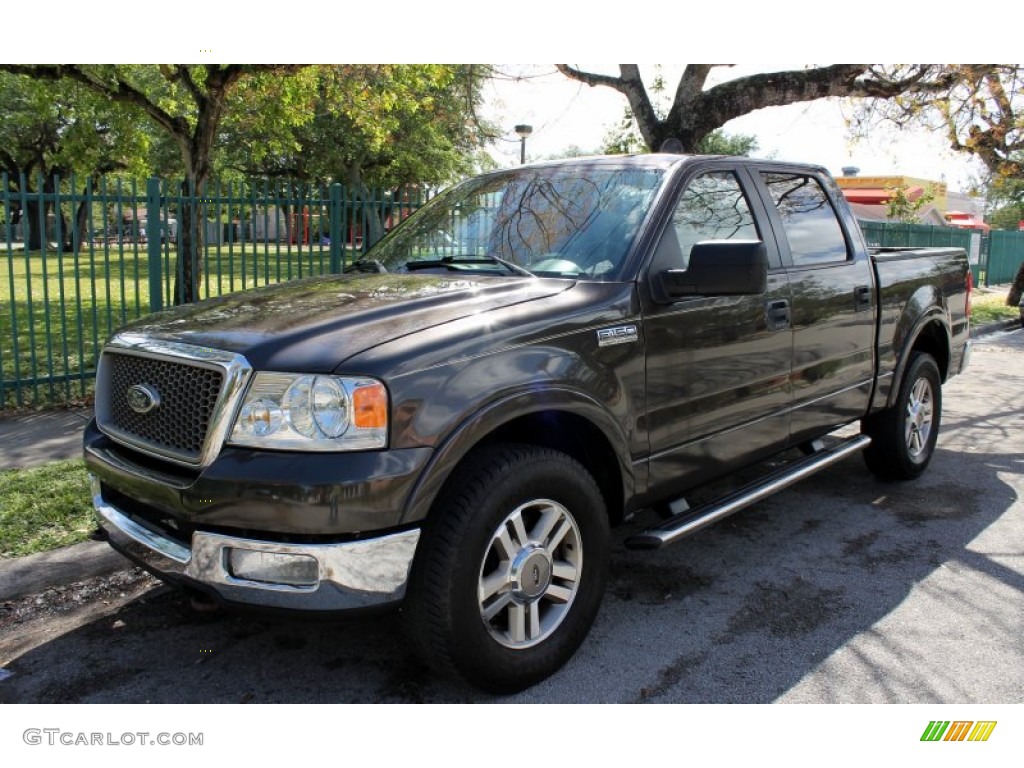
(188, 397)
(168, 399)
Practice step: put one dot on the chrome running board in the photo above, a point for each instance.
(693, 520)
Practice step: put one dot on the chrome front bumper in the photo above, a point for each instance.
(357, 574)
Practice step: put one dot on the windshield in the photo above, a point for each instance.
(561, 221)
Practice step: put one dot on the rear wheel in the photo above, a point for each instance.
(512, 568)
(903, 437)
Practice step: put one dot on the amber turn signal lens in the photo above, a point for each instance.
(370, 406)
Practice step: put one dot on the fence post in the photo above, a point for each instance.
(334, 229)
(156, 299)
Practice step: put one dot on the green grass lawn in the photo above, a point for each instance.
(991, 307)
(44, 508)
(57, 309)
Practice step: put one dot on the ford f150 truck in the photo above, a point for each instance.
(538, 354)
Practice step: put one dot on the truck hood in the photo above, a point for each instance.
(313, 325)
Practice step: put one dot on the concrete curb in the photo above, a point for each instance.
(32, 574)
(999, 325)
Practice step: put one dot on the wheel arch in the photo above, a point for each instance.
(930, 335)
(563, 420)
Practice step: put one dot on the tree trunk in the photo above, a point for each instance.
(190, 246)
(81, 230)
(62, 234)
(37, 239)
(374, 222)
(34, 238)
(1013, 298)
(286, 208)
(366, 211)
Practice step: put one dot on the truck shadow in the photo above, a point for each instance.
(802, 597)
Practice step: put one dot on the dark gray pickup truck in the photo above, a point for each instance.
(537, 355)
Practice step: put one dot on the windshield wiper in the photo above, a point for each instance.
(365, 265)
(449, 261)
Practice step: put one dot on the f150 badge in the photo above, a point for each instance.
(624, 334)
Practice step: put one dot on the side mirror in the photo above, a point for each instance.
(719, 268)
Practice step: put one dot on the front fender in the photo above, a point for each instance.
(476, 428)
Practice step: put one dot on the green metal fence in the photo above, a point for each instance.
(898, 234)
(995, 256)
(79, 259)
(1006, 254)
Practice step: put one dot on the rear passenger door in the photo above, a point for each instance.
(718, 367)
(833, 305)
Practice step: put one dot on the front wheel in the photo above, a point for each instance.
(903, 437)
(512, 568)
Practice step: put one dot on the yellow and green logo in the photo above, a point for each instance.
(958, 730)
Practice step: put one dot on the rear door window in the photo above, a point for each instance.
(810, 223)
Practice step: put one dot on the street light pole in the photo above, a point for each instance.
(523, 131)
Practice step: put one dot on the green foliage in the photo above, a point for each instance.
(624, 137)
(991, 308)
(379, 125)
(1007, 216)
(63, 128)
(573, 150)
(375, 124)
(1005, 197)
(979, 108)
(721, 143)
(901, 208)
(362, 124)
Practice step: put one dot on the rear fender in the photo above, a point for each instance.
(930, 333)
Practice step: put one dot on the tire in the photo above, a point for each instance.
(511, 568)
(903, 437)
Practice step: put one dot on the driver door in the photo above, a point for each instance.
(718, 367)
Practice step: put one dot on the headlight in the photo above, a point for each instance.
(302, 412)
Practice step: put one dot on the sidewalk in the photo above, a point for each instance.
(31, 439)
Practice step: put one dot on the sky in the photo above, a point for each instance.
(563, 113)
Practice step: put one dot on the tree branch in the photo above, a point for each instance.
(186, 78)
(9, 163)
(120, 90)
(691, 85)
(590, 78)
(738, 97)
(632, 86)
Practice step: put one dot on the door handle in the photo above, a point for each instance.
(776, 314)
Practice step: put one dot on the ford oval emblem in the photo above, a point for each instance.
(143, 398)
